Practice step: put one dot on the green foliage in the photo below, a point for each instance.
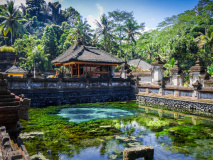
(210, 69)
(37, 59)
(49, 41)
(12, 20)
(7, 49)
(25, 45)
(136, 68)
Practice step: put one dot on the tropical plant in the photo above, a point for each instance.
(80, 31)
(119, 19)
(104, 28)
(49, 42)
(132, 29)
(55, 10)
(206, 39)
(7, 49)
(12, 19)
(37, 59)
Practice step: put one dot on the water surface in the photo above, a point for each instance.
(85, 114)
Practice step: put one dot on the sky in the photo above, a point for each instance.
(151, 12)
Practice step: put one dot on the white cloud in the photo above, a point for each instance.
(153, 19)
(100, 8)
(146, 29)
(91, 19)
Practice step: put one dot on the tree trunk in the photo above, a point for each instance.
(11, 37)
(105, 43)
(34, 70)
(120, 42)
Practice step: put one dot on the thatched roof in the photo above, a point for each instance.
(139, 62)
(15, 69)
(82, 53)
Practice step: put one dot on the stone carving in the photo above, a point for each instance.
(9, 150)
(176, 75)
(157, 70)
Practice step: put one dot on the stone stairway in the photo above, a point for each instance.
(12, 108)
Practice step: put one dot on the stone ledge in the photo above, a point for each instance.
(172, 97)
(133, 153)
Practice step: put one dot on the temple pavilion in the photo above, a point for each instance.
(84, 60)
(15, 71)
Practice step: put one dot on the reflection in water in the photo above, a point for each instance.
(135, 133)
(176, 115)
(85, 114)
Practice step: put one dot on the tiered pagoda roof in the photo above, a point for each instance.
(83, 53)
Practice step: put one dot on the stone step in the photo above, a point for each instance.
(9, 103)
(6, 96)
(8, 100)
(5, 93)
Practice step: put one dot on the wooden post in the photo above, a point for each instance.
(78, 71)
(70, 70)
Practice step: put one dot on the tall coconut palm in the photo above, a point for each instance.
(23, 9)
(132, 29)
(37, 59)
(45, 11)
(55, 7)
(104, 28)
(80, 31)
(207, 39)
(12, 18)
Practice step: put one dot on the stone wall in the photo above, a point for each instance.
(57, 91)
(177, 91)
(179, 105)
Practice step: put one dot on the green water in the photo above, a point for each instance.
(70, 134)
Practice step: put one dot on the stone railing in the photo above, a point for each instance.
(194, 92)
(65, 83)
(56, 91)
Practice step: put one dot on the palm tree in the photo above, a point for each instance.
(207, 39)
(131, 29)
(80, 31)
(12, 18)
(37, 58)
(55, 7)
(104, 27)
(45, 11)
(23, 8)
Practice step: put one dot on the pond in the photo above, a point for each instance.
(66, 132)
(85, 114)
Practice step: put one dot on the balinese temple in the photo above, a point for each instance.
(84, 60)
(15, 71)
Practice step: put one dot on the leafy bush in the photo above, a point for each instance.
(7, 49)
(210, 70)
(136, 68)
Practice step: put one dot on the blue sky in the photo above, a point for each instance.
(149, 11)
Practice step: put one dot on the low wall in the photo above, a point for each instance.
(44, 92)
(179, 105)
(177, 91)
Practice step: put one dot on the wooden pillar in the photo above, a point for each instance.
(78, 71)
